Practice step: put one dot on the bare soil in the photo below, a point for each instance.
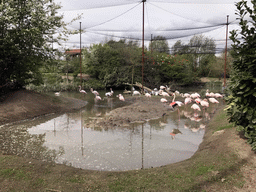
(24, 104)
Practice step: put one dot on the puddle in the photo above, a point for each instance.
(69, 139)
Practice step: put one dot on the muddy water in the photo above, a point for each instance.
(71, 139)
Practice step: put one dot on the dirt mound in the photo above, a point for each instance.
(24, 104)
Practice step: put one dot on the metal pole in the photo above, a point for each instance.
(142, 70)
(225, 65)
(80, 57)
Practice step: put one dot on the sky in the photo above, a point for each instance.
(173, 19)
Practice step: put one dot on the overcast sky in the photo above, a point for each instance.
(173, 19)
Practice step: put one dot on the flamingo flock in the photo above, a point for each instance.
(194, 100)
(164, 92)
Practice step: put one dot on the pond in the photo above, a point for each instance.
(71, 139)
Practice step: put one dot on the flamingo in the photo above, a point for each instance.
(94, 92)
(187, 100)
(218, 95)
(147, 95)
(213, 100)
(121, 97)
(195, 95)
(165, 94)
(162, 87)
(187, 95)
(163, 100)
(198, 100)
(207, 94)
(176, 103)
(175, 132)
(155, 92)
(109, 94)
(57, 93)
(204, 103)
(135, 93)
(97, 97)
(81, 90)
(195, 107)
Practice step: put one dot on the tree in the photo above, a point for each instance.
(113, 63)
(241, 101)
(159, 44)
(27, 31)
(202, 49)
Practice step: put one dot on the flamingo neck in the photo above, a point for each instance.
(173, 97)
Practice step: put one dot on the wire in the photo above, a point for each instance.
(177, 14)
(97, 7)
(188, 2)
(113, 18)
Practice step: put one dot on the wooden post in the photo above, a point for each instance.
(225, 65)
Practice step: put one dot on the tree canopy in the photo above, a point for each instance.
(27, 31)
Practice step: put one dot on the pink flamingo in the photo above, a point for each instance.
(81, 90)
(97, 97)
(195, 107)
(121, 97)
(163, 100)
(94, 92)
(147, 95)
(204, 104)
(213, 100)
(176, 103)
(218, 95)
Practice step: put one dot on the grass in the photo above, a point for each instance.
(213, 168)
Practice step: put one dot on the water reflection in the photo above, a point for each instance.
(20, 142)
(73, 138)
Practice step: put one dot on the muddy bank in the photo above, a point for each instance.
(24, 104)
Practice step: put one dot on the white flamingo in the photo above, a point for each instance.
(57, 93)
(218, 95)
(135, 93)
(109, 94)
(147, 95)
(195, 95)
(187, 100)
(121, 97)
(163, 100)
(97, 97)
(213, 100)
(195, 107)
(81, 90)
(162, 87)
(94, 92)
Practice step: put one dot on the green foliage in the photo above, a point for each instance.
(200, 52)
(27, 29)
(115, 63)
(173, 68)
(159, 44)
(112, 62)
(241, 102)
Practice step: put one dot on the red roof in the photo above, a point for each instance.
(73, 52)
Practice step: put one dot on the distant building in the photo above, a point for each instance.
(73, 53)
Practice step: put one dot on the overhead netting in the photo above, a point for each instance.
(172, 19)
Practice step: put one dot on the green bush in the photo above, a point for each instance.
(241, 102)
